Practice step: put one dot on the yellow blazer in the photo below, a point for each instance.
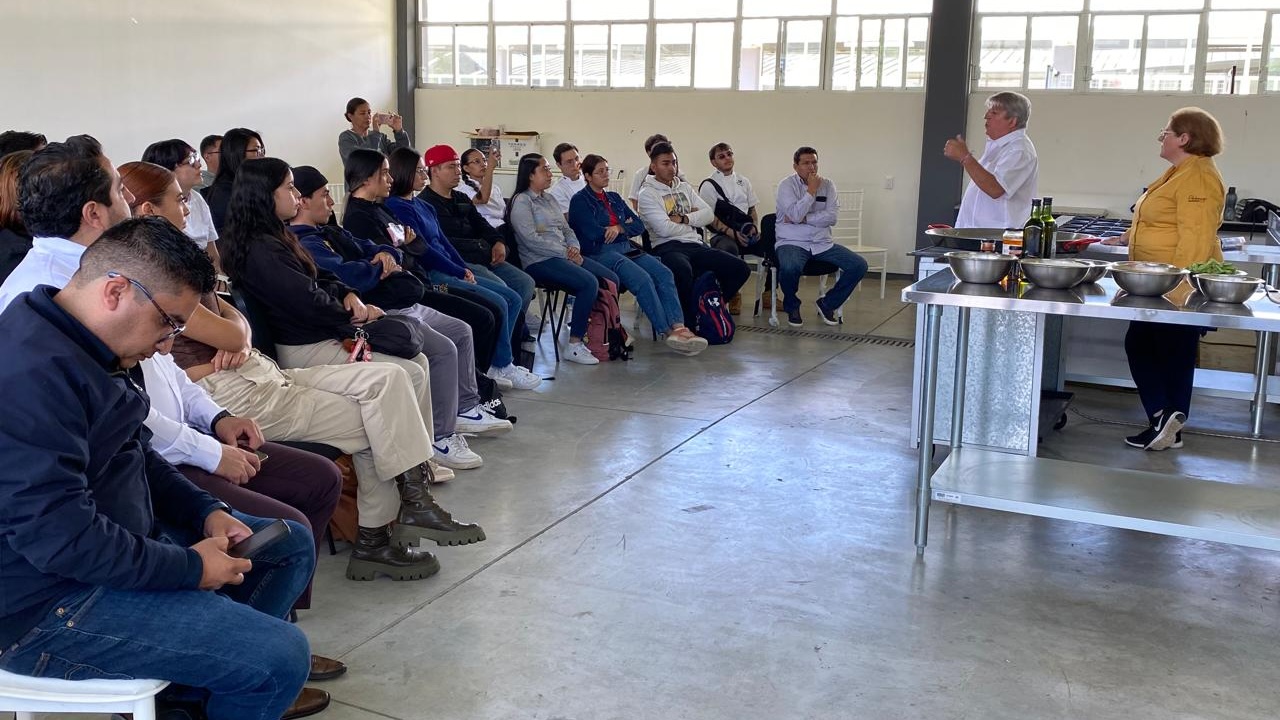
(1176, 220)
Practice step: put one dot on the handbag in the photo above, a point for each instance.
(394, 335)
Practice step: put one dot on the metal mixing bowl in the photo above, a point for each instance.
(1226, 288)
(1147, 279)
(1054, 274)
(979, 267)
(1097, 268)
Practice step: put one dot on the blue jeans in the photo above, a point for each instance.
(791, 262)
(514, 277)
(498, 293)
(649, 280)
(581, 281)
(232, 643)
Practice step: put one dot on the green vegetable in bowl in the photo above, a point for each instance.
(1213, 267)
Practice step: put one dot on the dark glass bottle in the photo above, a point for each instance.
(1033, 232)
(1048, 239)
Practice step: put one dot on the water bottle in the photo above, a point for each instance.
(1229, 209)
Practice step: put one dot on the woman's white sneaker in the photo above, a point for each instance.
(452, 452)
(495, 375)
(578, 352)
(518, 377)
(479, 421)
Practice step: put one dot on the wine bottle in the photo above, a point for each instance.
(1049, 237)
(1033, 232)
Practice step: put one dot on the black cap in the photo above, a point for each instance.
(308, 180)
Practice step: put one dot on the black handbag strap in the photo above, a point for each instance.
(716, 185)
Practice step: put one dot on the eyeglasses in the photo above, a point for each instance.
(1164, 133)
(212, 152)
(175, 328)
(260, 151)
(193, 161)
(421, 171)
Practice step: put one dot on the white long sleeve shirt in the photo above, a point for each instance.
(1012, 160)
(180, 410)
(564, 190)
(805, 220)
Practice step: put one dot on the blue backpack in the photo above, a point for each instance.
(711, 314)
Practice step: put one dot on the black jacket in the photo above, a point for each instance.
(13, 247)
(218, 196)
(300, 309)
(80, 487)
(462, 223)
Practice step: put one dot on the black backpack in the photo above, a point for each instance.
(711, 316)
(729, 214)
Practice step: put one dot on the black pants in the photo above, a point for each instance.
(687, 261)
(474, 310)
(1162, 361)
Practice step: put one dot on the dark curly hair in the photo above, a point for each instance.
(57, 182)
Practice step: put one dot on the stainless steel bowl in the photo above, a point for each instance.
(1147, 279)
(1054, 274)
(979, 267)
(1097, 268)
(1226, 288)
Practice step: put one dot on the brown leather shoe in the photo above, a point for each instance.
(310, 701)
(323, 668)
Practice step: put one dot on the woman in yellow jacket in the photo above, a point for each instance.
(1175, 221)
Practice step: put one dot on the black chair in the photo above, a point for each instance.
(766, 249)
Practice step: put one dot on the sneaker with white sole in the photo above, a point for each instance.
(1168, 427)
(496, 376)
(579, 353)
(688, 345)
(439, 473)
(478, 421)
(827, 316)
(518, 377)
(452, 452)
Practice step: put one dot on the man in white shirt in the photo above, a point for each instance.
(726, 184)
(1003, 181)
(571, 180)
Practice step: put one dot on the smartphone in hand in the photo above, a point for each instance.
(253, 545)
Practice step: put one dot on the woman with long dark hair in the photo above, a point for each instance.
(310, 313)
(15, 241)
(177, 156)
(238, 145)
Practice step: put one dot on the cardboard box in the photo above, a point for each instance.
(512, 145)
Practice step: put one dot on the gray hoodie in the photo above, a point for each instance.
(540, 228)
(657, 201)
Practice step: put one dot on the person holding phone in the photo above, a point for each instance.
(366, 130)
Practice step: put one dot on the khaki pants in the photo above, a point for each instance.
(368, 410)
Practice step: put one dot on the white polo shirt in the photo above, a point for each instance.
(1012, 160)
(737, 190)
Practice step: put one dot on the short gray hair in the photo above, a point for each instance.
(1015, 105)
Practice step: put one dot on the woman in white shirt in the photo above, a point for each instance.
(477, 184)
(183, 161)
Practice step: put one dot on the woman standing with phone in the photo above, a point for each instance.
(366, 130)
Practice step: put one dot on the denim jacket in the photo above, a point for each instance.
(589, 217)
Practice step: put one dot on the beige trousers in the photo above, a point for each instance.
(367, 410)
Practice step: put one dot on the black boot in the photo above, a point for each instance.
(420, 516)
(374, 553)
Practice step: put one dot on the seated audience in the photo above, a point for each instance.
(551, 252)
(672, 210)
(571, 180)
(210, 147)
(311, 313)
(637, 179)
(15, 241)
(94, 518)
(180, 158)
(366, 130)
(477, 183)
(238, 145)
(374, 271)
(12, 141)
(604, 226)
(807, 209)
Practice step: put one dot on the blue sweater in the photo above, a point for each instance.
(440, 253)
(330, 246)
(589, 217)
(80, 487)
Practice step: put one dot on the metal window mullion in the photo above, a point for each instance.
(880, 57)
(1202, 54)
(693, 56)
(1142, 55)
(1026, 52)
(829, 58)
(1266, 53)
(1084, 53)
(736, 49)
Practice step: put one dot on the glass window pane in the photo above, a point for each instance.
(792, 8)
(524, 10)
(1233, 60)
(627, 54)
(757, 61)
(843, 76)
(511, 55)
(473, 54)
(1116, 52)
(609, 9)
(1171, 53)
(1053, 52)
(1002, 51)
(1244, 5)
(869, 54)
(802, 64)
(1101, 5)
(590, 55)
(892, 52)
(437, 55)
(713, 55)
(917, 51)
(546, 52)
(883, 7)
(680, 9)
(996, 6)
(674, 62)
(451, 11)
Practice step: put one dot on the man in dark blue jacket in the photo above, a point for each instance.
(112, 564)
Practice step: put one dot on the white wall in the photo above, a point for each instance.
(860, 137)
(131, 72)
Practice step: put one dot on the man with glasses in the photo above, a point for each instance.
(1003, 181)
(210, 152)
(726, 184)
(115, 565)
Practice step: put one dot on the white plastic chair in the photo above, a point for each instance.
(26, 696)
(848, 233)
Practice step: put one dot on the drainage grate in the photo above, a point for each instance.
(880, 340)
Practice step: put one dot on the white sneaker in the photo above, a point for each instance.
(479, 421)
(496, 376)
(452, 452)
(518, 377)
(439, 473)
(578, 352)
(686, 345)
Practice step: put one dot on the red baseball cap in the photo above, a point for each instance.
(439, 155)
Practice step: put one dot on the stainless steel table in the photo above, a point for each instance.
(1184, 507)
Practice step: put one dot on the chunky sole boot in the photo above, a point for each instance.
(420, 516)
(374, 554)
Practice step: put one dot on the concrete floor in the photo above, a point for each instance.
(729, 537)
